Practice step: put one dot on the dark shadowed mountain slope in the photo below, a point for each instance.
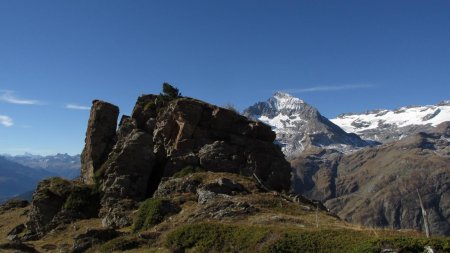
(16, 179)
(63, 165)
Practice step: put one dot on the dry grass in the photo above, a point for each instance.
(64, 238)
(10, 219)
(60, 239)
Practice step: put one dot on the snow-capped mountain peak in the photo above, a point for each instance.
(282, 100)
(298, 125)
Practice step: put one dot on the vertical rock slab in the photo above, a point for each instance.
(100, 138)
(125, 180)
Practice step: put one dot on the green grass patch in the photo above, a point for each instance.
(211, 237)
(323, 241)
(215, 237)
(152, 211)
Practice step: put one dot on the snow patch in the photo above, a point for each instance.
(405, 116)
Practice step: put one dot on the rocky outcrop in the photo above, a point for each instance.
(378, 186)
(13, 235)
(100, 138)
(165, 135)
(57, 202)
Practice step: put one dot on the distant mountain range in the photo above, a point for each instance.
(391, 125)
(368, 167)
(20, 174)
(300, 126)
(16, 178)
(63, 165)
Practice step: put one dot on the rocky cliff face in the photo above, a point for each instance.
(164, 136)
(300, 126)
(378, 186)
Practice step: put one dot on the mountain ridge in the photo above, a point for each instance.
(60, 164)
(384, 125)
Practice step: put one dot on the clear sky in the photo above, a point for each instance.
(340, 56)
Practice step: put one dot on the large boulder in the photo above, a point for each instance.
(58, 202)
(125, 176)
(100, 138)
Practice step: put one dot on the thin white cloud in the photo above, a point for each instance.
(329, 88)
(7, 96)
(6, 121)
(77, 107)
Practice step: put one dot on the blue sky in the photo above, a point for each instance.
(340, 56)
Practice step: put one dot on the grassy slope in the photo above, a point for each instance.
(279, 226)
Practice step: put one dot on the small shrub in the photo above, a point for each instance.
(57, 185)
(83, 199)
(152, 211)
(120, 244)
(188, 170)
(170, 91)
(150, 106)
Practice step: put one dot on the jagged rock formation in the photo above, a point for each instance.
(391, 125)
(100, 138)
(165, 135)
(300, 126)
(377, 186)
